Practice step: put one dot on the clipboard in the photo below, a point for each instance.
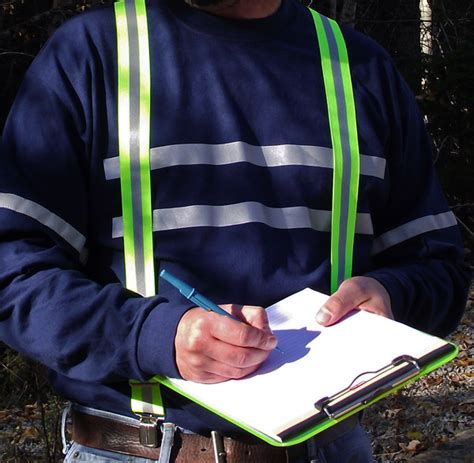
(345, 403)
(266, 416)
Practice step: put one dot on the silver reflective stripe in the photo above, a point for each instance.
(231, 153)
(286, 218)
(414, 228)
(47, 218)
(134, 60)
(147, 398)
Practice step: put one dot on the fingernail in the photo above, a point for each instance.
(323, 316)
(271, 342)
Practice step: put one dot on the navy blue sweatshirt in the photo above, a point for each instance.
(242, 188)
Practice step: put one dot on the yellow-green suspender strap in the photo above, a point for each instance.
(133, 60)
(134, 144)
(345, 144)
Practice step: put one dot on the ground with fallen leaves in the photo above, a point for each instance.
(423, 417)
(431, 411)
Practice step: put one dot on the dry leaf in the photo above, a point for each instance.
(413, 445)
(30, 432)
(434, 380)
(464, 362)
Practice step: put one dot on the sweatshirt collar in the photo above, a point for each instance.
(276, 25)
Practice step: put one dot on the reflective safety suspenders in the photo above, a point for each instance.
(345, 143)
(134, 144)
(134, 150)
(134, 82)
(147, 403)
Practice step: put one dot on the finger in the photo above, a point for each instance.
(233, 309)
(349, 295)
(257, 317)
(252, 315)
(202, 368)
(237, 357)
(240, 334)
(222, 370)
(205, 377)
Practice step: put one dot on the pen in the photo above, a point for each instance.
(190, 293)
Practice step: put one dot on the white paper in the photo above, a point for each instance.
(317, 362)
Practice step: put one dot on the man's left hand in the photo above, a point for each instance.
(362, 293)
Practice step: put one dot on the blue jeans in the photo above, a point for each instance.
(351, 447)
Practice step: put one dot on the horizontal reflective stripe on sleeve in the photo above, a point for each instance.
(414, 228)
(231, 153)
(47, 218)
(244, 213)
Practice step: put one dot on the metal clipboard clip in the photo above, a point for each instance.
(361, 392)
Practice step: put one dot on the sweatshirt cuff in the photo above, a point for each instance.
(156, 341)
(396, 290)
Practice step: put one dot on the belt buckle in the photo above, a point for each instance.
(149, 431)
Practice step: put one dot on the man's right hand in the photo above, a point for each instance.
(211, 348)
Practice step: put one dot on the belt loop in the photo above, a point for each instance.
(168, 430)
(218, 446)
(64, 417)
(312, 450)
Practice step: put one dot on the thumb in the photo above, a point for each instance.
(346, 298)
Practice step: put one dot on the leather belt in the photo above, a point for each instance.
(116, 436)
(123, 436)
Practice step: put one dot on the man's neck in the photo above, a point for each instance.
(241, 9)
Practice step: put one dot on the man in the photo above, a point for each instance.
(240, 140)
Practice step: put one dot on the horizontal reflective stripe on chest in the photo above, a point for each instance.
(285, 218)
(231, 153)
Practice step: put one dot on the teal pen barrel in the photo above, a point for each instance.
(186, 290)
(190, 293)
(205, 303)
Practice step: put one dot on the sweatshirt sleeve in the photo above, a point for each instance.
(51, 309)
(418, 252)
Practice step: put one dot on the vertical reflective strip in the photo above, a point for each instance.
(134, 146)
(354, 153)
(147, 399)
(342, 122)
(134, 83)
(145, 169)
(343, 134)
(329, 85)
(135, 149)
(124, 142)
